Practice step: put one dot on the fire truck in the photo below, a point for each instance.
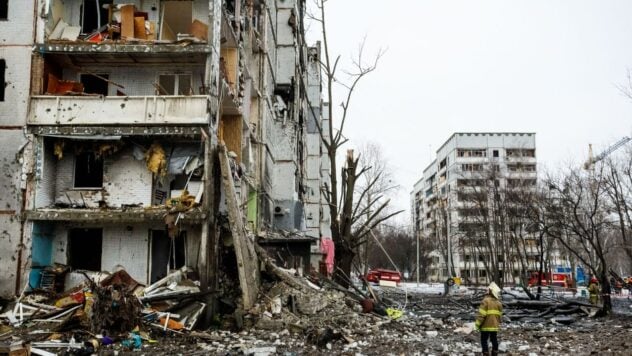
(558, 279)
(380, 274)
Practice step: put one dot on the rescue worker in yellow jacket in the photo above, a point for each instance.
(593, 291)
(488, 319)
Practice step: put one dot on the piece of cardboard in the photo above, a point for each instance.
(176, 18)
(71, 33)
(199, 30)
(127, 21)
(58, 30)
(139, 28)
(167, 34)
(152, 31)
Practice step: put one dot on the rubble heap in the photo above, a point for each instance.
(294, 315)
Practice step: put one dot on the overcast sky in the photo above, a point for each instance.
(549, 67)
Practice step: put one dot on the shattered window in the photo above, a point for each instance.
(94, 16)
(95, 84)
(88, 170)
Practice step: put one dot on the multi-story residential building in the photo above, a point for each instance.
(17, 37)
(445, 206)
(114, 116)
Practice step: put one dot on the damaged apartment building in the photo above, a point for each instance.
(144, 134)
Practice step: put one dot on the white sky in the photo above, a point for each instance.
(549, 67)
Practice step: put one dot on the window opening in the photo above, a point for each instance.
(4, 9)
(175, 84)
(3, 68)
(92, 17)
(95, 85)
(176, 18)
(88, 170)
(495, 153)
(85, 249)
(166, 253)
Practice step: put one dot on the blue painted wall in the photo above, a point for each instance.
(42, 251)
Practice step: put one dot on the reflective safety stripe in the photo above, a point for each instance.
(482, 311)
(494, 312)
(490, 329)
(477, 322)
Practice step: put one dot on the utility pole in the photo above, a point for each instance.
(417, 270)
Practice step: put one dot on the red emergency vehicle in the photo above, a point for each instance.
(555, 279)
(379, 274)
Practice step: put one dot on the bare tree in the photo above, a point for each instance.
(495, 225)
(376, 182)
(579, 220)
(350, 224)
(396, 244)
(618, 187)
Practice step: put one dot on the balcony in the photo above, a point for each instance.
(118, 110)
(136, 215)
(168, 31)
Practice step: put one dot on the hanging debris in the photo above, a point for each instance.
(58, 149)
(156, 160)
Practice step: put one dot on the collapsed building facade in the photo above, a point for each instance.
(144, 135)
(452, 201)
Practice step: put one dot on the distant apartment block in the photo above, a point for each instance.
(442, 209)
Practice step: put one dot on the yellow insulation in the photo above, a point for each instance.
(156, 160)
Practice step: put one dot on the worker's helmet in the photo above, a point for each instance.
(593, 280)
(494, 290)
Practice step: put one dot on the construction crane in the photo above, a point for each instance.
(590, 163)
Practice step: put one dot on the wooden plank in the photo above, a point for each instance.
(247, 260)
(232, 132)
(127, 21)
(199, 30)
(139, 28)
(231, 61)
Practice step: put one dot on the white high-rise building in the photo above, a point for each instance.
(466, 164)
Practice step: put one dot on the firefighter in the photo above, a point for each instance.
(618, 286)
(488, 319)
(593, 290)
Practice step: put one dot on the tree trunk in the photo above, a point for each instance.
(606, 308)
(344, 259)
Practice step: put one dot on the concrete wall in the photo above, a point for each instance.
(18, 28)
(16, 40)
(125, 246)
(17, 83)
(122, 246)
(284, 181)
(125, 181)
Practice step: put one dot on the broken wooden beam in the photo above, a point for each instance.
(247, 261)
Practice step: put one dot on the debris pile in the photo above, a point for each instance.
(115, 310)
(291, 315)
